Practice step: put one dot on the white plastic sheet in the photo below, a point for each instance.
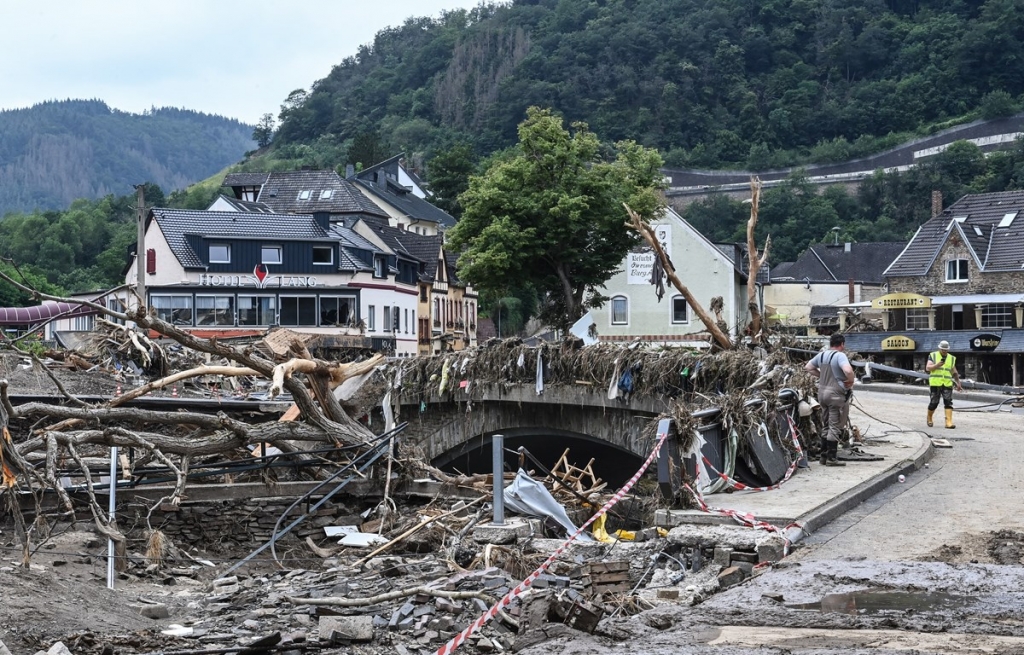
(528, 497)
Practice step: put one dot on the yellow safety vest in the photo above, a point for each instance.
(941, 376)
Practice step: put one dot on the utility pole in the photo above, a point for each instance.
(140, 247)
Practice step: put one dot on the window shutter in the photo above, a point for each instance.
(151, 261)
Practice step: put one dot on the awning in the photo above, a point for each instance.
(979, 299)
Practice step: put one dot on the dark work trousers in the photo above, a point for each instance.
(947, 398)
(834, 412)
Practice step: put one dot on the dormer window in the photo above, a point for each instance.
(378, 266)
(220, 253)
(323, 255)
(326, 194)
(956, 270)
(270, 254)
(305, 194)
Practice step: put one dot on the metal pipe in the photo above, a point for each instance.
(498, 465)
(110, 509)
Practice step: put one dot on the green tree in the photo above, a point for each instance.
(448, 176)
(367, 149)
(264, 130)
(549, 215)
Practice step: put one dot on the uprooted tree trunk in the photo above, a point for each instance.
(757, 330)
(647, 232)
(68, 431)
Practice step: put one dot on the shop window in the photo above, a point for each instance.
(257, 310)
(620, 310)
(917, 319)
(215, 310)
(176, 310)
(680, 313)
(956, 270)
(336, 310)
(298, 310)
(997, 315)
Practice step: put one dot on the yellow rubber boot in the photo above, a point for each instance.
(931, 412)
(949, 419)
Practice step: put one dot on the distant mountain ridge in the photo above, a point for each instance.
(58, 151)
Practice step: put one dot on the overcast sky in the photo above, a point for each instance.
(236, 58)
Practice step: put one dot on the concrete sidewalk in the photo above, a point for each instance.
(816, 495)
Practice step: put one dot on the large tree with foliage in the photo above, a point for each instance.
(549, 214)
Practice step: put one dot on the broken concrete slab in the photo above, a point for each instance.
(342, 629)
(735, 537)
(730, 576)
(3, 649)
(507, 533)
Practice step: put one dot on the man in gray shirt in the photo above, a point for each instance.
(835, 384)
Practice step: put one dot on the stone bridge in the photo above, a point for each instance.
(454, 431)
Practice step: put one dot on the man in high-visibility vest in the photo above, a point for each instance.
(943, 374)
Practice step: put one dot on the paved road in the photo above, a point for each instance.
(925, 552)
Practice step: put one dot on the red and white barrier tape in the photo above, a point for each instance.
(460, 638)
(739, 486)
(746, 518)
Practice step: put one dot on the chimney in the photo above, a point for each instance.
(852, 286)
(936, 203)
(350, 170)
(323, 219)
(382, 180)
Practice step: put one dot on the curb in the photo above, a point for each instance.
(832, 509)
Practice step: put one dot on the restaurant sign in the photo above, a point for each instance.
(985, 342)
(901, 301)
(898, 342)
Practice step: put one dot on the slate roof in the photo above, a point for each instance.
(246, 205)
(406, 202)
(737, 254)
(177, 223)
(865, 262)
(424, 248)
(781, 271)
(280, 191)
(928, 340)
(245, 179)
(349, 238)
(976, 218)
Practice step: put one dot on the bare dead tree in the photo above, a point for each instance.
(758, 332)
(70, 431)
(647, 232)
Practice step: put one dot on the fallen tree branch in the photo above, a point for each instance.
(645, 230)
(334, 601)
(416, 528)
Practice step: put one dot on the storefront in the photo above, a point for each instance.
(984, 331)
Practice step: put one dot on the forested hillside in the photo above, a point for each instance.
(56, 152)
(710, 83)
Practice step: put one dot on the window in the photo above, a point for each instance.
(956, 270)
(387, 319)
(257, 310)
(336, 310)
(326, 194)
(323, 255)
(917, 319)
(1007, 219)
(215, 310)
(298, 310)
(220, 253)
(84, 323)
(620, 310)
(305, 194)
(378, 266)
(270, 254)
(406, 316)
(176, 310)
(371, 318)
(679, 310)
(997, 315)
